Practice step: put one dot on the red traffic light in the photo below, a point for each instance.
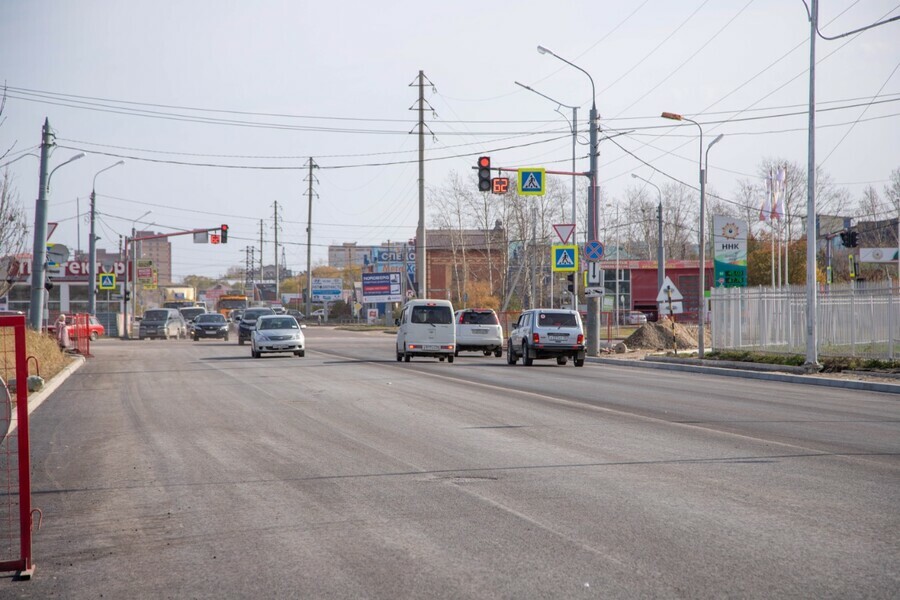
(484, 162)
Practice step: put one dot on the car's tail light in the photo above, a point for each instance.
(536, 338)
(580, 338)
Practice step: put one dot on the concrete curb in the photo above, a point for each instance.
(670, 365)
(37, 398)
(728, 364)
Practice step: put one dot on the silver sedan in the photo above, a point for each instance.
(277, 333)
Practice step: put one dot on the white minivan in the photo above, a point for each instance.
(426, 329)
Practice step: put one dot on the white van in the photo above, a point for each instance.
(426, 329)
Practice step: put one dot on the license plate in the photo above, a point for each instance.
(279, 346)
(557, 336)
(432, 347)
(479, 331)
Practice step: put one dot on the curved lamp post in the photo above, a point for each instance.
(593, 320)
(660, 248)
(92, 244)
(702, 316)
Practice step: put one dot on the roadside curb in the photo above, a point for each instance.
(671, 365)
(38, 398)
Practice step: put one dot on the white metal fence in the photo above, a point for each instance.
(862, 321)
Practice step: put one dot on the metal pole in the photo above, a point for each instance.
(812, 360)
(309, 242)
(533, 303)
(701, 329)
(660, 247)
(421, 275)
(39, 253)
(277, 287)
(92, 244)
(124, 333)
(574, 202)
(134, 252)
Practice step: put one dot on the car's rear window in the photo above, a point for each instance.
(156, 315)
(471, 317)
(435, 315)
(557, 320)
(252, 315)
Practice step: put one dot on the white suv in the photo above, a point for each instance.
(478, 330)
(546, 333)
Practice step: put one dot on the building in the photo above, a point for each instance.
(457, 257)
(638, 286)
(158, 250)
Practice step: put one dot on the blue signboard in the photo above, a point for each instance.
(381, 287)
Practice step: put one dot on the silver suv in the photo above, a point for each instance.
(546, 333)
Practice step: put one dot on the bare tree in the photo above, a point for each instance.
(13, 230)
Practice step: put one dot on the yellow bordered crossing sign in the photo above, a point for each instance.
(565, 258)
(532, 181)
(107, 281)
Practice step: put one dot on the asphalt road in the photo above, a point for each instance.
(189, 470)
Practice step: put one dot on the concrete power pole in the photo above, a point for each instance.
(262, 271)
(39, 257)
(277, 278)
(312, 165)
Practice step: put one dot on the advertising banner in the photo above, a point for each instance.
(381, 287)
(729, 252)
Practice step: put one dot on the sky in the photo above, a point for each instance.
(217, 106)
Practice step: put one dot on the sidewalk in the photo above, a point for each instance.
(856, 380)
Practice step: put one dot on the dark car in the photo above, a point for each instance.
(248, 322)
(210, 325)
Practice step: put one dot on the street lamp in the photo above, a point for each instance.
(593, 315)
(92, 245)
(574, 150)
(701, 330)
(39, 252)
(660, 248)
(125, 320)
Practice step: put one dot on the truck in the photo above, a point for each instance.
(173, 296)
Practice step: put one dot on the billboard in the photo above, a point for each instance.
(729, 252)
(381, 287)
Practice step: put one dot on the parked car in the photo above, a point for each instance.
(425, 328)
(277, 333)
(210, 325)
(632, 317)
(546, 333)
(248, 322)
(163, 323)
(478, 330)
(95, 327)
(296, 314)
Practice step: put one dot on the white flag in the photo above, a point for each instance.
(766, 209)
(780, 188)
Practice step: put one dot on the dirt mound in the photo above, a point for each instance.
(659, 336)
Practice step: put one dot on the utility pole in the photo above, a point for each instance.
(277, 278)
(660, 248)
(421, 274)
(262, 270)
(39, 256)
(312, 165)
(812, 343)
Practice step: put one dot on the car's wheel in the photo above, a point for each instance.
(450, 358)
(456, 353)
(302, 353)
(441, 358)
(406, 356)
(498, 352)
(561, 360)
(511, 357)
(487, 352)
(225, 339)
(94, 336)
(240, 341)
(579, 362)
(526, 358)
(196, 339)
(399, 356)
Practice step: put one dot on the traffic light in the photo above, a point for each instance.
(224, 230)
(127, 296)
(853, 238)
(484, 173)
(845, 239)
(571, 285)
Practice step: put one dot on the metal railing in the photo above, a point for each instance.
(859, 321)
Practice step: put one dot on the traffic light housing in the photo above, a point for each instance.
(845, 239)
(127, 296)
(853, 238)
(484, 173)
(571, 285)
(224, 236)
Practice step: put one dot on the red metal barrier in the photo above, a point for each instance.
(81, 334)
(16, 524)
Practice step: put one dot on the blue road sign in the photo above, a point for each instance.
(531, 182)
(107, 281)
(565, 258)
(593, 250)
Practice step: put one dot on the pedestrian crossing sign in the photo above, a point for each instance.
(565, 258)
(107, 281)
(531, 181)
